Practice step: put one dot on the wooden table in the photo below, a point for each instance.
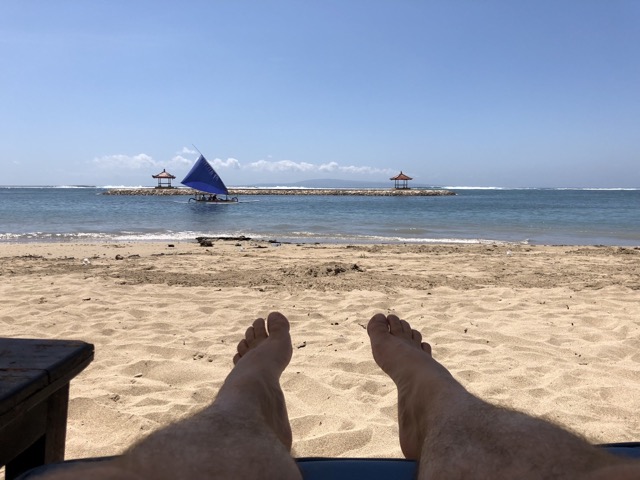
(34, 396)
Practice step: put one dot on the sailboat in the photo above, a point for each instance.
(203, 177)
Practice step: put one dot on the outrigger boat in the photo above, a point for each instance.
(203, 177)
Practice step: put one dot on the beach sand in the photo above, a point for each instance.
(551, 330)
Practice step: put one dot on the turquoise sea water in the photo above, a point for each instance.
(534, 216)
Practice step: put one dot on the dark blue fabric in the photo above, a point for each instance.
(356, 468)
(342, 468)
(203, 177)
(624, 449)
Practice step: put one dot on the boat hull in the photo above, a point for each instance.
(214, 202)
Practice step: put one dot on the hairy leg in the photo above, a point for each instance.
(244, 434)
(456, 435)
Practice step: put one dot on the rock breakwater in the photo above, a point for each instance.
(373, 192)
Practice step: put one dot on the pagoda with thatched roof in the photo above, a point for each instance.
(164, 179)
(401, 181)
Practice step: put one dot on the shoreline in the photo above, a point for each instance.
(320, 241)
(288, 191)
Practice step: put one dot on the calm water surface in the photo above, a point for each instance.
(535, 216)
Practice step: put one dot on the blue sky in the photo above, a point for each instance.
(452, 92)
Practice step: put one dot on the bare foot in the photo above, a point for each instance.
(422, 382)
(254, 383)
(244, 433)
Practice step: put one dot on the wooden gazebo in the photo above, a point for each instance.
(164, 179)
(401, 181)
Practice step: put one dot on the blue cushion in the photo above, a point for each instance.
(342, 468)
(354, 468)
(624, 449)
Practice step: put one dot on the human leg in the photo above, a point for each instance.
(243, 434)
(457, 435)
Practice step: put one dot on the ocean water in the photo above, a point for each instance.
(532, 216)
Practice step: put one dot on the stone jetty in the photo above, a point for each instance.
(371, 192)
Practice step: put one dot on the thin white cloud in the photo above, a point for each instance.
(368, 170)
(180, 160)
(228, 163)
(281, 166)
(329, 167)
(290, 166)
(187, 150)
(216, 162)
(144, 161)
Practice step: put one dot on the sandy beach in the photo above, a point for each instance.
(550, 330)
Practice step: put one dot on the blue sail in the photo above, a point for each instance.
(204, 178)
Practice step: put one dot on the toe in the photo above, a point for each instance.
(406, 328)
(426, 347)
(378, 325)
(277, 323)
(243, 347)
(395, 325)
(259, 329)
(416, 336)
(249, 334)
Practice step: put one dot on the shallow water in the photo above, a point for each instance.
(535, 216)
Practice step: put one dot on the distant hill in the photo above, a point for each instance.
(332, 183)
